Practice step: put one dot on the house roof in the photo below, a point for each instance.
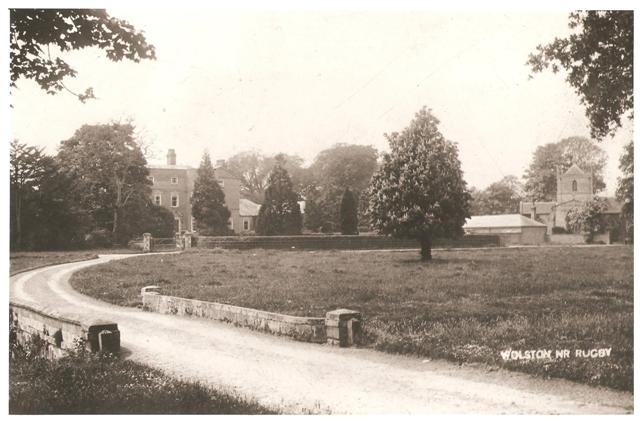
(172, 167)
(501, 221)
(248, 208)
(222, 172)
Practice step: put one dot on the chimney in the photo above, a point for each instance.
(171, 157)
(219, 163)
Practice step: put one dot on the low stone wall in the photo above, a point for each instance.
(61, 333)
(573, 239)
(339, 242)
(309, 329)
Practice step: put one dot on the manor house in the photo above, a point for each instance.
(173, 186)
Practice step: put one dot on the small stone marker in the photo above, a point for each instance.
(151, 289)
(343, 327)
(146, 243)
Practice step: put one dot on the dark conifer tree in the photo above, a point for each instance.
(349, 213)
(207, 203)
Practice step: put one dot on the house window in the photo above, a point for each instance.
(193, 224)
(574, 186)
(230, 224)
(221, 183)
(174, 181)
(177, 225)
(245, 224)
(152, 179)
(157, 199)
(175, 202)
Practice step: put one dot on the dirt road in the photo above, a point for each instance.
(302, 377)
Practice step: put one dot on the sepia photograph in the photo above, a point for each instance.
(310, 208)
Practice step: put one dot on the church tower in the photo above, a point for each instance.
(574, 186)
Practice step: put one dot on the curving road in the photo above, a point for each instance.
(300, 377)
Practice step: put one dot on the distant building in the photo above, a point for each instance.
(248, 214)
(173, 187)
(512, 229)
(575, 189)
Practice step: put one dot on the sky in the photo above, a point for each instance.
(298, 82)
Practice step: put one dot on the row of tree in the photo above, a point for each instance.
(94, 191)
(341, 171)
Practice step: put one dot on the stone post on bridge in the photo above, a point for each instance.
(186, 242)
(343, 327)
(146, 243)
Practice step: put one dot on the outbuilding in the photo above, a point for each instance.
(513, 229)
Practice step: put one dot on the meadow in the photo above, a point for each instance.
(466, 305)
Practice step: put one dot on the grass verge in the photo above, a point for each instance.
(465, 306)
(85, 383)
(24, 260)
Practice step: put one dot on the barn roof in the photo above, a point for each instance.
(501, 221)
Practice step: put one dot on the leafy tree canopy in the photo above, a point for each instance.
(208, 202)
(332, 172)
(253, 169)
(501, 197)
(419, 191)
(43, 216)
(598, 59)
(33, 31)
(108, 168)
(589, 219)
(541, 176)
(624, 192)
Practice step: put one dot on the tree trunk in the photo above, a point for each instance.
(18, 211)
(115, 223)
(425, 247)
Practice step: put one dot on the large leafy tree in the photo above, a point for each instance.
(253, 169)
(501, 197)
(349, 213)
(598, 59)
(333, 171)
(280, 212)
(33, 31)
(109, 171)
(419, 191)
(208, 202)
(540, 177)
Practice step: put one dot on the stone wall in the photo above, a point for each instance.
(61, 333)
(339, 242)
(309, 329)
(573, 239)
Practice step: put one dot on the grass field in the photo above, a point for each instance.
(465, 306)
(21, 260)
(85, 383)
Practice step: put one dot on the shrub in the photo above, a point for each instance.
(558, 230)
(86, 383)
